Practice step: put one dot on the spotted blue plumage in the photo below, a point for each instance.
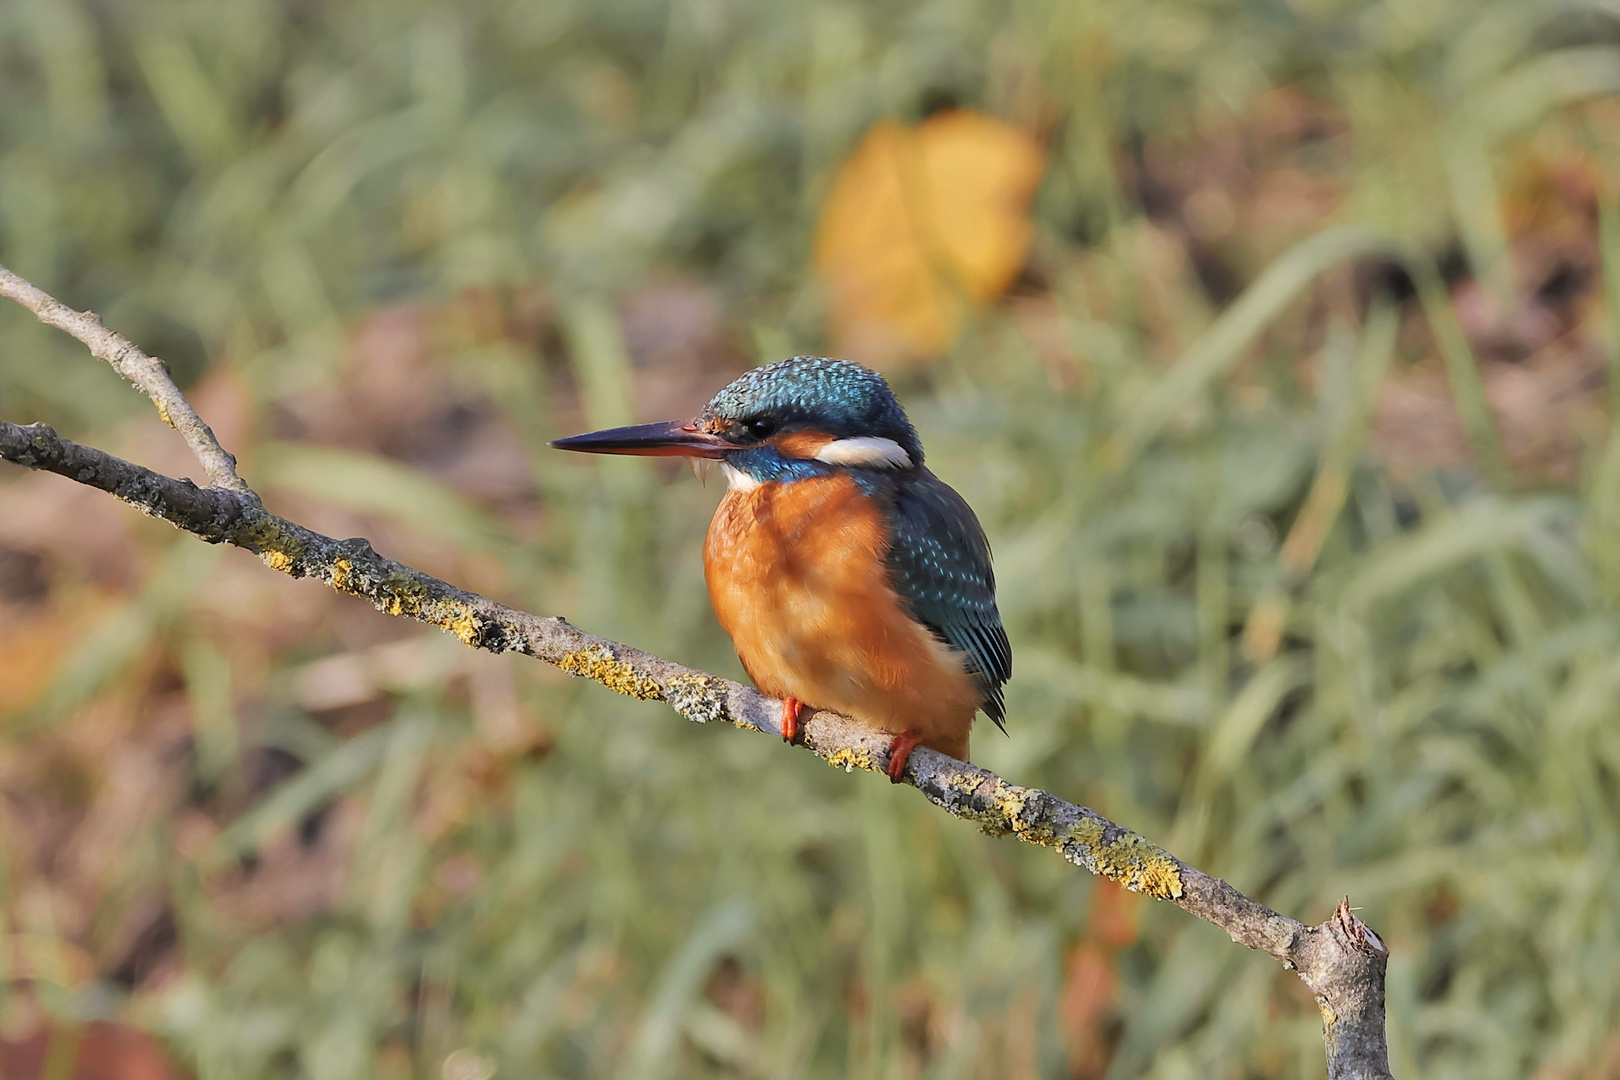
(843, 399)
(939, 559)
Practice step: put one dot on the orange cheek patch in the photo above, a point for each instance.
(802, 445)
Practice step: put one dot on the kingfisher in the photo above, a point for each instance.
(848, 576)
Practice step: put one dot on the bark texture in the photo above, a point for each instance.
(1342, 960)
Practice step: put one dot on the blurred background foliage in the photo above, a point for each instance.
(1271, 339)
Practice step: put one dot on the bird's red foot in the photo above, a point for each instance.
(792, 731)
(900, 748)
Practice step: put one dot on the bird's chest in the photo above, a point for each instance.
(799, 577)
(794, 570)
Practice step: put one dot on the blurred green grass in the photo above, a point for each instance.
(418, 864)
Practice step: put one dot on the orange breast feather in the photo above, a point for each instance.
(797, 576)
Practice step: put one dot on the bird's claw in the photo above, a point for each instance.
(900, 748)
(792, 730)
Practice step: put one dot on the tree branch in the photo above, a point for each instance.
(1342, 961)
(148, 373)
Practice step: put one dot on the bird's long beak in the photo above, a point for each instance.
(672, 438)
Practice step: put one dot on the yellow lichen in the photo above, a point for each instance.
(269, 540)
(342, 570)
(401, 594)
(602, 666)
(850, 758)
(466, 625)
(964, 804)
(456, 616)
(1004, 812)
(1008, 800)
(966, 783)
(163, 412)
(1135, 863)
(697, 697)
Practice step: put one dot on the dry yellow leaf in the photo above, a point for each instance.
(31, 652)
(921, 225)
(47, 957)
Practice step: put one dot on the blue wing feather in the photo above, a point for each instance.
(940, 562)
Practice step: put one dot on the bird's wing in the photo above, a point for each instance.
(940, 560)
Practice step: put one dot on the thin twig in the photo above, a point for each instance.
(1342, 961)
(148, 373)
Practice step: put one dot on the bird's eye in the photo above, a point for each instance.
(760, 427)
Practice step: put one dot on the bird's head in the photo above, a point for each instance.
(801, 417)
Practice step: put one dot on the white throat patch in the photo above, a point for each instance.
(737, 480)
(865, 452)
